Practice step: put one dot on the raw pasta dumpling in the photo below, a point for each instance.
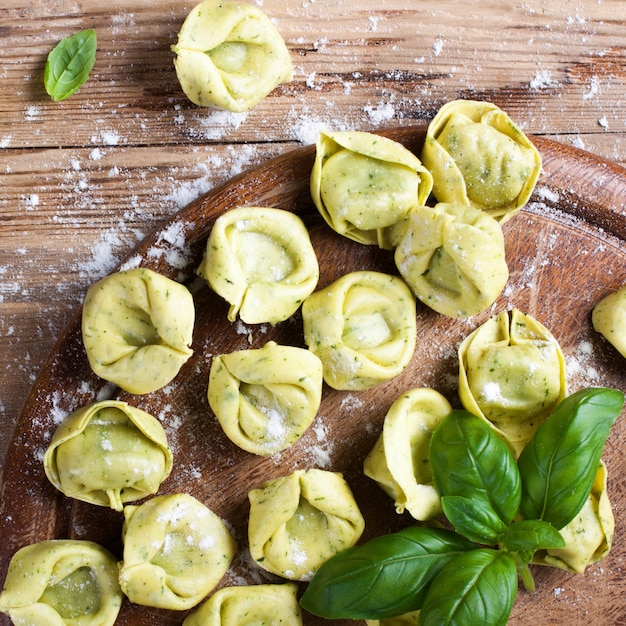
(364, 185)
(108, 453)
(176, 551)
(265, 399)
(62, 582)
(249, 605)
(588, 537)
(478, 156)
(297, 522)
(261, 261)
(408, 619)
(137, 328)
(230, 56)
(363, 328)
(398, 462)
(511, 373)
(609, 319)
(453, 258)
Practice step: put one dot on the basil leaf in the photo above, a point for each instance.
(385, 577)
(560, 462)
(478, 587)
(473, 519)
(468, 459)
(69, 64)
(531, 535)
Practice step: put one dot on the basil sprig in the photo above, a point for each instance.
(503, 511)
(69, 64)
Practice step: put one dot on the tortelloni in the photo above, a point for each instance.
(176, 551)
(588, 536)
(108, 453)
(249, 605)
(297, 522)
(230, 56)
(62, 582)
(265, 399)
(478, 156)
(453, 258)
(408, 619)
(137, 327)
(261, 261)
(364, 185)
(511, 373)
(609, 319)
(398, 462)
(363, 328)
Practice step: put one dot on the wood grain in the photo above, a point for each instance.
(561, 263)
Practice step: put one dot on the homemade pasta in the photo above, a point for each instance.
(609, 319)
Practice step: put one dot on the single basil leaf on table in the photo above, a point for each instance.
(473, 519)
(478, 587)
(560, 462)
(69, 64)
(385, 577)
(531, 535)
(468, 459)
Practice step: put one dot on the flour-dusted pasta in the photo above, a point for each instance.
(261, 261)
(62, 582)
(297, 522)
(453, 258)
(137, 328)
(478, 156)
(108, 453)
(265, 399)
(364, 185)
(398, 462)
(408, 619)
(230, 56)
(176, 551)
(609, 319)
(363, 328)
(588, 537)
(512, 373)
(248, 605)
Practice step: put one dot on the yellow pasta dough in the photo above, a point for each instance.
(609, 319)
(230, 56)
(261, 261)
(362, 327)
(588, 537)
(249, 605)
(453, 258)
(511, 373)
(265, 399)
(108, 453)
(297, 522)
(408, 619)
(398, 462)
(137, 328)
(62, 582)
(176, 551)
(364, 185)
(478, 156)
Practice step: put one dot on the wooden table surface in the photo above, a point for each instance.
(84, 180)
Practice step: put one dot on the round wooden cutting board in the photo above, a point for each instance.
(566, 250)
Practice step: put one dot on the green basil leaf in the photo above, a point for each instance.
(478, 587)
(385, 577)
(468, 459)
(69, 64)
(531, 535)
(473, 519)
(560, 462)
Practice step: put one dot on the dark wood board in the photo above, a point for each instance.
(566, 250)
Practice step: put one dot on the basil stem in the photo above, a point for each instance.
(478, 587)
(385, 577)
(559, 464)
(468, 459)
(69, 64)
